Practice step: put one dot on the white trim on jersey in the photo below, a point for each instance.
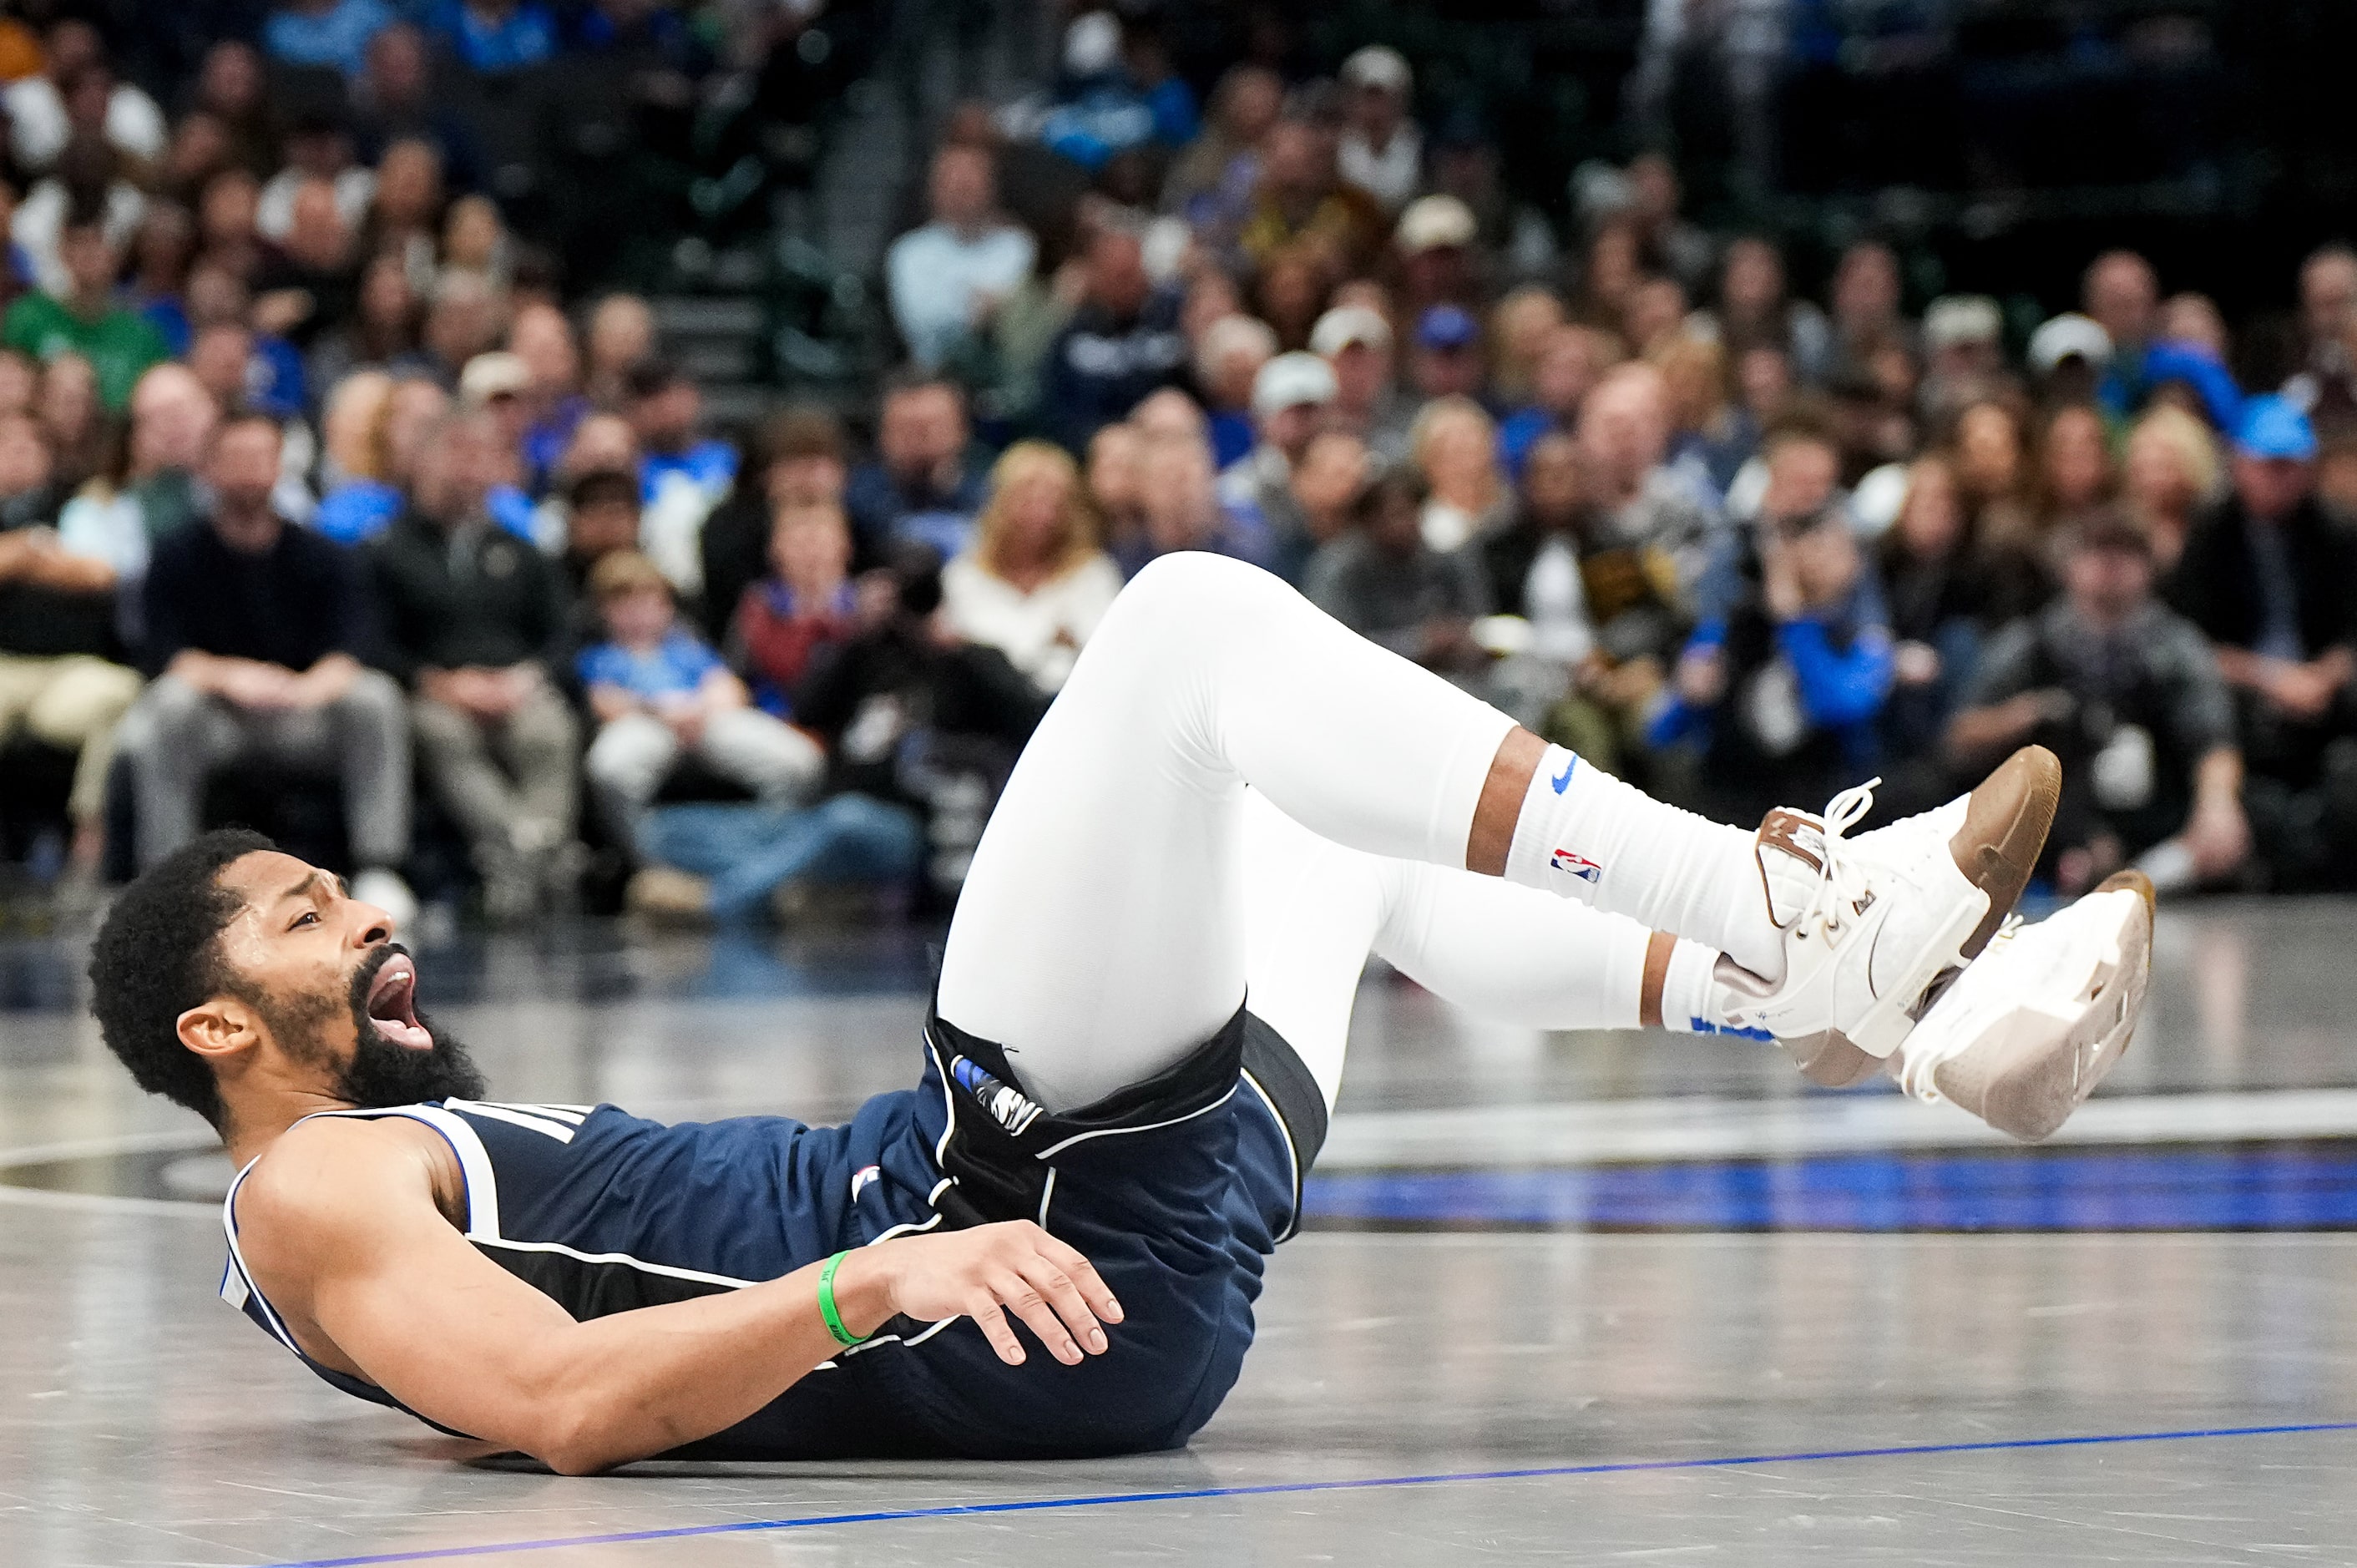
(666, 1269)
(1147, 1127)
(529, 1119)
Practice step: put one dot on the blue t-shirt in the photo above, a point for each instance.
(356, 511)
(339, 38)
(674, 669)
(526, 36)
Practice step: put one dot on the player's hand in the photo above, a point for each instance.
(991, 1270)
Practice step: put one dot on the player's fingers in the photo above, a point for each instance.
(1063, 1295)
(1032, 1307)
(983, 1310)
(1083, 1274)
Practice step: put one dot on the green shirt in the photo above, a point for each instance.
(118, 345)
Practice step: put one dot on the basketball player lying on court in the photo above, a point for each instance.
(1136, 1037)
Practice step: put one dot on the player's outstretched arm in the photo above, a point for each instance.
(340, 1227)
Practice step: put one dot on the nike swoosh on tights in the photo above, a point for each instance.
(1562, 781)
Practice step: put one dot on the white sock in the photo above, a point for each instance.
(1694, 1000)
(1584, 834)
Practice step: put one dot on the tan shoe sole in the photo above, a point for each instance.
(2026, 1087)
(2006, 823)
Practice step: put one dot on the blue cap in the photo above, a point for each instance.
(1446, 326)
(2273, 426)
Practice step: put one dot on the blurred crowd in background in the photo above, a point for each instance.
(349, 487)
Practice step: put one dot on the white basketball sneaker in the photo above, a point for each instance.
(2027, 1031)
(1870, 922)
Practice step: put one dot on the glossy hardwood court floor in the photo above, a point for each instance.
(1582, 1298)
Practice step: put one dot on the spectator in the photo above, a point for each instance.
(357, 507)
(229, 212)
(2274, 584)
(1117, 492)
(468, 317)
(1210, 183)
(90, 177)
(67, 407)
(306, 283)
(254, 632)
(1964, 344)
(1439, 261)
(2076, 473)
(1865, 320)
(1447, 360)
(804, 605)
(2122, 294)
(318, 147)
(1783, 693)
(660, 693)
(475, 240)
(1753, 308)
(352, 455)
(474, 620)
(945, 279)
(38, 124)
(601, 441)
(1641, 505)
(1712, 436)
(1938, 586)
(381, 335)
(1455, 448)
(404, 214)
(59, 679)
(1229, 354)
(683, 475)
(2169, 478)
(2326, 383)
(1178, 496)
(1656, 309)
(553, 402)
(1559, 685)
(922, 485)
(1520, 326)
(1332, 469)
(2128, 694)
(1302, 196)
(1385, 582)
(1034, 583)
(1122, 343)
(330, 33)
(1568, 365)
(1382, 149)
(1292, 285)
(1357, 341)
(493, 36)
(394, 101)
(622, 338)
(1611, 272)
(1290, 397)
(118, 516)
(798, 458)
(232, 92)
(84, 318)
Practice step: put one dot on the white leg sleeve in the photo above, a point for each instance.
(1102, 931)
(1315, 909)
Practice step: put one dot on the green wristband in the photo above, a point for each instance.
(826, 1307)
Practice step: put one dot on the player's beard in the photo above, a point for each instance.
(380, 1073)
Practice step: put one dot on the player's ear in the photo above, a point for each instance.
(219, 1028)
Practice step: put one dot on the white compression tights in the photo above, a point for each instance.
(1130, 889)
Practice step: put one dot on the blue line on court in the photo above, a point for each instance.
(1281, 1488)
(2293, 1186)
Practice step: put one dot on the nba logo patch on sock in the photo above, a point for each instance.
(1577, 865)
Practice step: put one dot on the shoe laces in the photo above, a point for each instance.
(1920, 1060)
(1843, 886)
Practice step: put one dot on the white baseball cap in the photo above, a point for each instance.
(2066, 334)
(1347, 323)
(1378, 66)
(1291, 380)
(1432, 221)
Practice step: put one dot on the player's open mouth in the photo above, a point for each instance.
(393, 1005)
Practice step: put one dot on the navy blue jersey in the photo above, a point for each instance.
(1177, 1192)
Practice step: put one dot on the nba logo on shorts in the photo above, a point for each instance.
(1577, 865)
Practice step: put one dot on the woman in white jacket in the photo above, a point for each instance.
(1034, 584)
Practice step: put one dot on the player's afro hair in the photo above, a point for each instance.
(157, 955)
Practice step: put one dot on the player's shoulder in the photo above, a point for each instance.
(328, 1169)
